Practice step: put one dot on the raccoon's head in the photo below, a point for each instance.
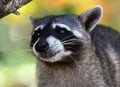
(54, 38)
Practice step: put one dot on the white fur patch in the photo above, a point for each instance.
(77, 33)
(40, 26)
(34, 51)
(55, 44)
(61, 25)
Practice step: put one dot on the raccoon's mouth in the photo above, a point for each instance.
(52, 56)
(48, 55)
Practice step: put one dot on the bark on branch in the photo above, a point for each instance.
(11, 6)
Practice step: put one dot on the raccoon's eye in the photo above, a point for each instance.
(60, 30)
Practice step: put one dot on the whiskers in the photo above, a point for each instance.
(70, 36)
(71, 40)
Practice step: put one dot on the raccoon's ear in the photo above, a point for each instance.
(90, 18)
(33, 20)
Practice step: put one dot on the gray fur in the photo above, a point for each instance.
(96, 64)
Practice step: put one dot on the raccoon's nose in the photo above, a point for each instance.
(42, 46)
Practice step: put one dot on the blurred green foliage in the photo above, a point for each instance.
(17, 64)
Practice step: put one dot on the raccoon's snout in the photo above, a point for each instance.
(42, 46)
(50, 50)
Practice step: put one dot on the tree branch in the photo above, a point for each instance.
(11, 6)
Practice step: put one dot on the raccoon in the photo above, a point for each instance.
(75, 51)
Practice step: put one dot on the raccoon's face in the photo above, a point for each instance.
(54, 38)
